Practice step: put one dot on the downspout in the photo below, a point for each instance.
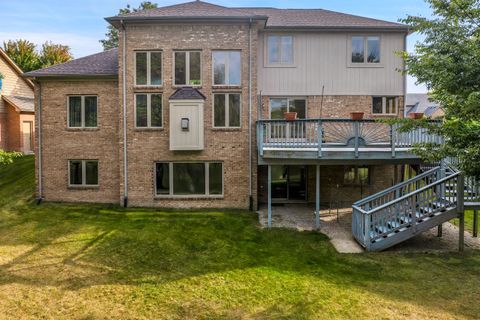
(124, 98)
(40, 163)
(250, 171)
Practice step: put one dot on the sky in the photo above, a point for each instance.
(80, 24)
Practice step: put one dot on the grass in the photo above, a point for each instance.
(65, 261)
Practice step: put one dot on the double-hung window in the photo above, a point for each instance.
(226, 110)
(148, 110)
(365, 50)
(188, 68)
(83, 173)
(148, 68)
(226, 68)
(385, 105)
(82, 111)
(280, 50)
(189, 179)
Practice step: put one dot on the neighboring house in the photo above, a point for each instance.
(17, 114)
(188, 112)
(421, 103)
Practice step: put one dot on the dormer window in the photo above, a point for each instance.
(365, 50)
(280, 50)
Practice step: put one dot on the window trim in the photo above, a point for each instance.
(227, 110)
(227, 69)
(149, 110)
(84, 174)
(82, 110)
(384, 105)
(190, 196)
(357, 184)
(288, 104)
(278, 64)
(364, 64)
(149, 69)
(187, 68)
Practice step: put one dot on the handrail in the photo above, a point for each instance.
(329, 120)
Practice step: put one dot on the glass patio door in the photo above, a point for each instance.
(289, 183)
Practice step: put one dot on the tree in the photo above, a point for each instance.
(54, 54)
(448, 63)
(8, 157)
(111, 40)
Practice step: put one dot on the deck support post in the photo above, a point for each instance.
(317, 197)
(440, 230)
(461, 211)
(269, 196)
(475, 223)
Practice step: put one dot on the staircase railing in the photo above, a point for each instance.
(373, 224)
(472, 185)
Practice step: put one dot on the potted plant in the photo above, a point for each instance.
(416, 115)
(290, 116)
(356, 116)
(1, 80)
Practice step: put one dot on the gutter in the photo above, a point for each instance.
(124, 101)
(250, 160)
(40, 162)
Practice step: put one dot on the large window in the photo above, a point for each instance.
(82, 111)
(278, 106)
(226, 68)
(187, 68)
(385, 105)
(148, 68)
(83, 173)
(365, 50)
(356, 175)
(226, 110)
(280, 50)
(148, 110)
(189, 179)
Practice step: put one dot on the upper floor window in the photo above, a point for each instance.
(83, 173)
(226, 110)
(148, 110)
(82, 111)
(280, 50)
(226, 68)
(148, 68)
(385, 105)
(365, 49)
(188, 68)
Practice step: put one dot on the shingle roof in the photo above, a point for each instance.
(99, 64)
(420, 102)
(24, 104)
(187, 93)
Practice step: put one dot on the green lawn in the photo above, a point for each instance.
(64, 261)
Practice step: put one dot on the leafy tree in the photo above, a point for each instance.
(8, 157)
(111, 40)
(448, 63)
(54, 54)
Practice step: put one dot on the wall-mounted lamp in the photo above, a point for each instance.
(185, 124)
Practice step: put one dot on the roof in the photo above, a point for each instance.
(187, 93)
(14, 66)
(420, 102)
(99, 64)
(22, 104)
(275, 18)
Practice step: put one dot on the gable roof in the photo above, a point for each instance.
(99, 64)
(420, 102)
(275, 18)
(14, 66)
(187, 93)
(22, 104)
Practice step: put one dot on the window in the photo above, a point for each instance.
(278, 106)
(226, 110)
(148, 68)
(356, 175)
(226, 68)
(189, 179)
(148, 110)
(280, 50)
(82, 111)
(187, 68)
(385, 105)
(365, 49)
(83, 173)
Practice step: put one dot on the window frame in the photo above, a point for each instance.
(82, 110)
(227, 69)
(357, 182)
(227, 110)
(279, 64)
(384, 105)
(170, 180)
(187, 68)
(149, 110)
(149, 68)
(84, 174)
(288, 104)
(365, 63)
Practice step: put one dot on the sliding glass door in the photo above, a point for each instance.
(289, 183)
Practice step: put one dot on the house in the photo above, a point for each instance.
(189, 112)
(421, 103)
(17, 119)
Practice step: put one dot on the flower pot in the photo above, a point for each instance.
(290, 116)
(416, 115)
(356, 116)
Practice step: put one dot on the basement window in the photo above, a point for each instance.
(355, 176)
(83, 173)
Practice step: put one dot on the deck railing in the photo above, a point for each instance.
(337, 134)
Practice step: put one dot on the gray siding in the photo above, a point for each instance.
(321, 60)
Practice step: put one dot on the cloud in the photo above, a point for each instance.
(80, 45)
